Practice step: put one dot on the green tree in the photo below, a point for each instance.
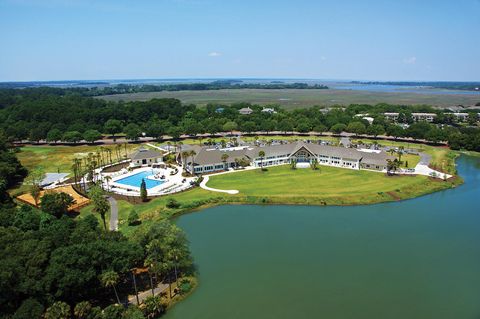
(285, 125)
(133, 312)
(143, 191)
(100, 203)
(356, 128)
(54, 135)
(375, 130)
(132, 131)
(29, 309)
(56, 203)
(82, 310)
(113, 127)
(91, 136)
(133, 218)
(34, 179)
(114, 311)
(338, 128)
(261, 154)
(59, 310)
(320, 128)
(153, 307)
(72, 136)
(225, 157)
(110, 279)
(230, 126)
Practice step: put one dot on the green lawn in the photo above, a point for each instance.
(328, 184)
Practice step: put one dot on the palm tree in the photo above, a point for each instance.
(192, 154)
(392, 166)
(82, 310)
(108, 178)
(185, 155)
(100, 203)
(224, 160)
(59, 310)
(110, 279)
(400, 152)
(153, 307)
(261, 154)
(109, 153)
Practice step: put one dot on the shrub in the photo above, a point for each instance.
(133, 218)
(173, 203)
(185, 286)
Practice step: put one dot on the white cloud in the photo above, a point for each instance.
(410, 60)
(214, 54)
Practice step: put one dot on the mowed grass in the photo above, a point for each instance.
(328, 184)
(297, 98)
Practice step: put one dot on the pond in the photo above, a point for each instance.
(418, 258)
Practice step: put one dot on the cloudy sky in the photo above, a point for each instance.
(341, 39)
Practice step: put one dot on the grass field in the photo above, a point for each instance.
(58, 158)
(297, 98)
(328, 184)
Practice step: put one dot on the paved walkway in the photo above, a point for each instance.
(203, 185)
(147, 293)
(113, 213)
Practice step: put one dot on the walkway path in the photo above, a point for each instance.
(147, 293)
(113, 213)
(203, 185)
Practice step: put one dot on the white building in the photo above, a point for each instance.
(461, 117)
(269, 110)
(428, 117)
(245, 111)
(391, 116)
(144, 156)
(212, 160)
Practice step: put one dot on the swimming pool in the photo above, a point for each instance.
(136, 179)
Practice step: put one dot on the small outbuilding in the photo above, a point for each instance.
(145, 156)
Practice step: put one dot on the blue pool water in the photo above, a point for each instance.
(136, 179)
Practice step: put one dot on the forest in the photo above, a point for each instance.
(55, 266)
(54, 115)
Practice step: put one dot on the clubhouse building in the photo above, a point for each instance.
(210, 160)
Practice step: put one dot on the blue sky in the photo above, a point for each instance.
(120, 39)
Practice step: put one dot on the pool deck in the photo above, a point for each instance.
(172, 183)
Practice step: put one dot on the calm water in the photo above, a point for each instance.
(136, 179)
(412, 259)
(400, 89)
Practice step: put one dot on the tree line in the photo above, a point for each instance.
(54, 115)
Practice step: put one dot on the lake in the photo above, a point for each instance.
(418, 258)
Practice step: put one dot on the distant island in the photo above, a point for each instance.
(467, 86)
(97, 88)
